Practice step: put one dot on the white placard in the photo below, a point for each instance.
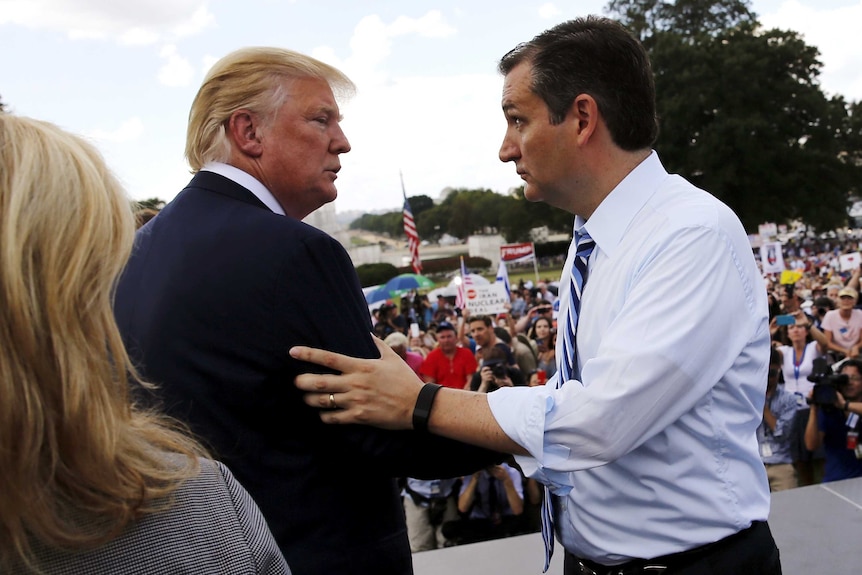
(850, 261)
(771, 258)
(487, 299)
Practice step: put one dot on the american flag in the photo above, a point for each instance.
(410, 232)
(466, 283)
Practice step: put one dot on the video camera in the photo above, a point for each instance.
(498, 368)
(826, 383)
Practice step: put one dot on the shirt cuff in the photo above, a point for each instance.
(520, 412)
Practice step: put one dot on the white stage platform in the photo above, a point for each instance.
(818, 530)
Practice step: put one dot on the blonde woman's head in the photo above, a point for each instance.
(66, 230)
(71, 444)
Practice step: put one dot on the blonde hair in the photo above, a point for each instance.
(252, 79)
(73, 450)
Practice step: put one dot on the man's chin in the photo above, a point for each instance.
(327, 195)
(532, 193)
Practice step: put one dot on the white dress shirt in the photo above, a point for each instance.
(247, 181)
(655, 451)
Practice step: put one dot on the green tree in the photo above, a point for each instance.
(434, 222)
(375, 274)
(521, 216)
(742, 113)
(469, 211)
(420, 204)
(461, 223)
(687, 18)
(150, 203)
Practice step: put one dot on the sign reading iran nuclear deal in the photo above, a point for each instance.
(517, 252)
(486, 299)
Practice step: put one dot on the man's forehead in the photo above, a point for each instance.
(516, 85)
(313, 92)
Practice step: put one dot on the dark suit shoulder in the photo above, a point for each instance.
(249, 216)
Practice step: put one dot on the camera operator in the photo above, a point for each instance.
(834, 421)
(494, 373)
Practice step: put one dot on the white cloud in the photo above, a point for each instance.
(835, 33)
(390, 128)
(431, 25)
(138, 37)
(549, 10)
(135, 22)
(371, 44)
(201, 19)
(129, 131)
(177, 71)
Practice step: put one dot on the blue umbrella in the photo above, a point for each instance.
(407, 282)
(377, 295)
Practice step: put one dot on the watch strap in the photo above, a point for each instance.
(422, 410)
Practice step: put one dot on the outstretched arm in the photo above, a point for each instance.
(383, 393)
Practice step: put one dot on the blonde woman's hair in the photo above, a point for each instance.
(73, 449)
(251, 79)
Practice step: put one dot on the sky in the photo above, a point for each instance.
(124, 73)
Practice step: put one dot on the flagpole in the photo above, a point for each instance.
(535, 262)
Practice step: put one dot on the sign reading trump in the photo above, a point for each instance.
(517, 252)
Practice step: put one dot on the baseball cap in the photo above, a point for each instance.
(849, 292)
(445, 325)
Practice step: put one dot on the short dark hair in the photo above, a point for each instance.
(853, 363)
(503, 335)
(483, 318)
(600, 57)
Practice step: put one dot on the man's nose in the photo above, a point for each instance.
(340, 145)
(508, 150)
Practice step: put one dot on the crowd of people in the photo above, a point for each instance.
(456, 349)
(816, 328)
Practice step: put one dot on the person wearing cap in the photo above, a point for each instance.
(843, 326)
(449, 364)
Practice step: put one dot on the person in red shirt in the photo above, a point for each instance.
(448, 364)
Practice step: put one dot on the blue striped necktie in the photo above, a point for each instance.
(567, 363)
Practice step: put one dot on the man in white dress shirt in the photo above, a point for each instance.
(651, 453)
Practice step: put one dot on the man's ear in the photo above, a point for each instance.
(585, 113)
(244, 131)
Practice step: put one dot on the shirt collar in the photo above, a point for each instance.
(613, 216)
(247, 181)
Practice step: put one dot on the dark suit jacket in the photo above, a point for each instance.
(217, 290)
